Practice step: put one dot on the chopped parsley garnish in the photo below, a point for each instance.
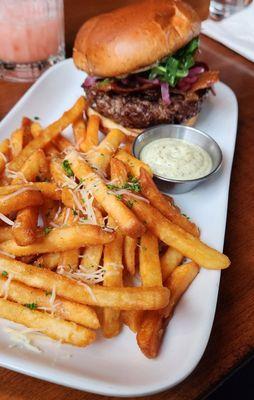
(32, 306)
(112, 187)
(119, 196)
(176, 67)
(47, 229)
(74, 212)
(129, 203)
(132, 185)
(67, 168)
(48, 293)
(36, 118)
(5, 273)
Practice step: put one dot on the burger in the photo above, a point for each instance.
(141, 64)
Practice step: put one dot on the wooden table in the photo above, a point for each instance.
(232, 338)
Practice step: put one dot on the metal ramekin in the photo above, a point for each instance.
(189, 134)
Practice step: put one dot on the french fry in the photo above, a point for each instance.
(24, 229)
(154, 324)
(79, 130)
(123, 298)
(92, 133)
(132, 163)
(62, 143)
(129, 253)
(156, 198)
(120, 174)
(5, 233)
(51, 150)
(26, 127)
(149, 261)
(56, 328)
(4, 153)
(49, 260)
(48, 134)
(119, 171)
(16, 142)
(60, 239)
(42, 300)
(67, 198)
(47, 189)
(35, 166)
(169, 261)
(150, 274)
(132, 319)
(91, 256)
(70, 259)
(57, 172)
(28, 198)
(173, 235)
(49, 211)
(123, 217)
(36, 129)
(112, 262)
(100, 156)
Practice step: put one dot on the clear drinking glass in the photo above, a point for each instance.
(31, 37)
(220, 9)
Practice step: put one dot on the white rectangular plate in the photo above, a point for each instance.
(117, 367)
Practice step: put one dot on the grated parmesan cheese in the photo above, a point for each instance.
(6, 219)
(4, 253)
(19, 191)
(14, 174)
(6, 285)
(4, 157)
(23, 338)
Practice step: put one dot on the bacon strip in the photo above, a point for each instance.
(205, 80)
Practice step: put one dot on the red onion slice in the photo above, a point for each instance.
(165, 93)
(196, 71)
(144, 80)
(89, 81)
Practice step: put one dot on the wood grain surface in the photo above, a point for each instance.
(232, 337)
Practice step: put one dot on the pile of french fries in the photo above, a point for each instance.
(87, 241)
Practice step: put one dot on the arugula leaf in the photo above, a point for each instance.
(67, 168)
(176, 67)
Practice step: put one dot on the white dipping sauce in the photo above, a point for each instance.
(176, 159)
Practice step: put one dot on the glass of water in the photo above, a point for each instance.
(220, 9)
(32, 33)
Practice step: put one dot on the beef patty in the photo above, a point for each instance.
(144, 109)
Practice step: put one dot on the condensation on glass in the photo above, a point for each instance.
(220, 9)
(31, 37)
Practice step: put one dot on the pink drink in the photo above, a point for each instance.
(30, 30)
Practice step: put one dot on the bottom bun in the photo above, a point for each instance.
(107, 124)
(191, 121)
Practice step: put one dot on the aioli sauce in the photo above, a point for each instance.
(176, 159)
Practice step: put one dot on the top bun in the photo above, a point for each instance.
(134, 37)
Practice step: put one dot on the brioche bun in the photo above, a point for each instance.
(107, 124)
(133, 37)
